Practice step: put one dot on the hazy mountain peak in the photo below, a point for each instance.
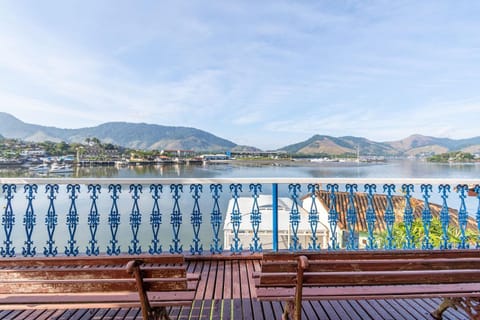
(130, 135)
(154, 136)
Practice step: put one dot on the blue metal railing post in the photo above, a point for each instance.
(275, 217)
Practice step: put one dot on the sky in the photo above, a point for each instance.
(261, 73)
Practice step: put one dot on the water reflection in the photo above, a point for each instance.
(275, 169)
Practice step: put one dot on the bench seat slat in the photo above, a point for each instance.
(372, 277)
(365, 292)
(372, 255)
(100, 300)
(93, 285)
(374, 265)
(89, 273)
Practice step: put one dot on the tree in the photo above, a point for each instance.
(435, 235)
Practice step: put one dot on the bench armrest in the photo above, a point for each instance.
(133, 267)
(302, 264)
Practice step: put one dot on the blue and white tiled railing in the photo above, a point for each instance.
(50, 217)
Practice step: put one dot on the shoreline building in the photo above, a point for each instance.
(285, 240)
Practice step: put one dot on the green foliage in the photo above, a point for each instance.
(145, 154)
(418, 233)
(457, 156)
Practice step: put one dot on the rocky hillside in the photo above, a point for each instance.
(320, 144)
(416, 144)
(412, 145)
(152, 136)
(130, 135)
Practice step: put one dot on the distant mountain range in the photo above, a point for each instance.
(412, 145)
(130, 135)
(152, 136)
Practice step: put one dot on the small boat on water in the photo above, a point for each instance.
(40, 168)
(60, 168)
(10, 162)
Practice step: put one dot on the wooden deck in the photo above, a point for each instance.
(226, 291)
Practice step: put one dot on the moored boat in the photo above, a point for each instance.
(40, 168)
(60, 168)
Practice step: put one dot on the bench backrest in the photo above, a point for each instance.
(97, 274)
(371, 268)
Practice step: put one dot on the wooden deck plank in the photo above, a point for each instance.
(308, 312)
(429, 305)
(267, 311)
(402, 306)
(277, 309)
(330, 310)
(121, 314)
(174, 312)
(197, 305)
(247, 311)
(216, 311)
(84, 314)
(37, 315)
(98, 314)
(227, 280)
(219, 283)
(237, 309)
(111, 314)
(227, 309)
(320, 312)
(362, 314)
(236, 290)
(209, 290)
(181, 312)
(16, 314)
(449, 314)
(419, 307)
(394, 313)
(212, 277)
(384, 314)
(342, 311)
(349, 309)
(256, 307)
(132, 314)
(432, 304)
(236, 293)
(372, 312)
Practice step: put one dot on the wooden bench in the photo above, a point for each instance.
(292, 277)
(151, 282)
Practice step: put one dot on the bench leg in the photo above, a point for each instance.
(159, 313)
(470, 305)
(447, 303)
(289, 310)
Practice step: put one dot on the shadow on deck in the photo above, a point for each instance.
(226, 291)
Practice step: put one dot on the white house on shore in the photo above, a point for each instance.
(245, 233)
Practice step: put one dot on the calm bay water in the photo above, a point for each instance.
(303, 169)
(280, 169)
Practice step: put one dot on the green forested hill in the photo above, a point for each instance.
(131, 135)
